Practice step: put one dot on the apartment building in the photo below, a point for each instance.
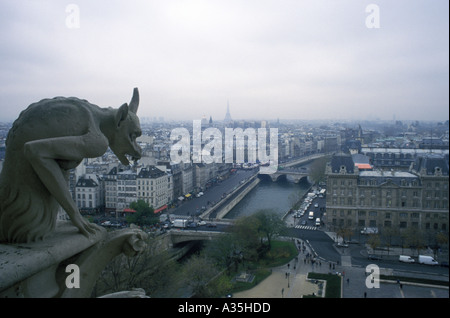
(120, 190)
(154, 187)
(88, 194)
(126, 189)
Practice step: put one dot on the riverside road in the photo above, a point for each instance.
(193, 207)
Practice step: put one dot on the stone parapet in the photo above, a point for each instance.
(41, 269)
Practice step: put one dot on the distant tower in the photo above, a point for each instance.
(228, 119)
(204, 121)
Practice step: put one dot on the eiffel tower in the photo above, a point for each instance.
(228, 119)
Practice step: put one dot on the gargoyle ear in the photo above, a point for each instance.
(134, 104)
(121, 114)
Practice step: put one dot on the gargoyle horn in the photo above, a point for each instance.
(134, 104)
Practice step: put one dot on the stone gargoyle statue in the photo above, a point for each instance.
(48, 139)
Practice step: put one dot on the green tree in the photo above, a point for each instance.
(246, 234)
(254, 233)
(144, 214)
(270, 224)
(317, 169)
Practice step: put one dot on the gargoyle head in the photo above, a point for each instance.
(127, 130)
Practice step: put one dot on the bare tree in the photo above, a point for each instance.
(374, 241)
(388, 234)
(149, 270)
(198, 272)
(415, 239)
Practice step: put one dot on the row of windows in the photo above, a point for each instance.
(153, 181)
(86, 189)
(389, 203)
(132, 182)
(84, 204)
(390, 193)
(152, 194)
(390, 155)
(403, 183)
(387, 223)
(388, 215)
(384, 192)
(159, 187)
(128, 189)
(83, 196)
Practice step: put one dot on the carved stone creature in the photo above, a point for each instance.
(48, 139)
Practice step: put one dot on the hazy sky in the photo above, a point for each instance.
(287, 59)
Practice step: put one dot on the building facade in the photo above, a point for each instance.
(387, 198)
(154, 187)
(126, 189)
(88, 195)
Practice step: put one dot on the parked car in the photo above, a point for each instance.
(342, 244)
(201, 223)
(369, 230)
(211, 225)
(374, 257)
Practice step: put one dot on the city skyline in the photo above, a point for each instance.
(270, 60)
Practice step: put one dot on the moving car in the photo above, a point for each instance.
(427, 260)
(406, 259)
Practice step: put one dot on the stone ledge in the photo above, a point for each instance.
(38, 269)
(23, 260)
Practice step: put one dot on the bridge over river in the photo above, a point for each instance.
(291, 174)
(289, 171)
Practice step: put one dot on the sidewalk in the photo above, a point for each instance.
(288, 281)
(276, 286)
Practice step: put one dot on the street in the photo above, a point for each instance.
(214, 194)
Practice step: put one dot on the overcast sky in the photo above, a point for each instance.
(287, 59)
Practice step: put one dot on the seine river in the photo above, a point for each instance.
(277, 196)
